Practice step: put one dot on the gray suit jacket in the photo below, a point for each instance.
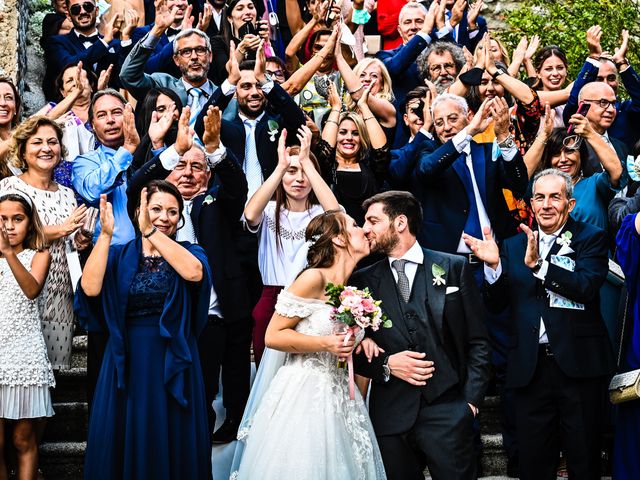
(134, 79)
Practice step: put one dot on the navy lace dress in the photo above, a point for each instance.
(142, 431)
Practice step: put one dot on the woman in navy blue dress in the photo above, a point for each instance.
(148, 419)
(626, 464)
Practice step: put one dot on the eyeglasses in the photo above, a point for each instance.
(186, 52)
(195, 167)
(276, 73)
(602, 103)
(439, 68)
(77, 8)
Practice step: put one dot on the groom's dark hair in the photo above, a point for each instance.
(395, 203)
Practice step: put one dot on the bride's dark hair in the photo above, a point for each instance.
(320, 234)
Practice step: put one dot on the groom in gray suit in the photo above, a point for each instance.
(431, 379)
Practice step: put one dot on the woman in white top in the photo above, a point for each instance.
(300, 194)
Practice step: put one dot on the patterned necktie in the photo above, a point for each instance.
(251, 167)
(194, 105)
(403, 280)
(187, 233)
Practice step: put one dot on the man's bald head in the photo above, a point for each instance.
(602, 99)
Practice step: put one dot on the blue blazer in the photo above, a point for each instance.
(624, 127)
(161, 60)
(444, 200)
(578, 338)
(404, 159)
(61, 50)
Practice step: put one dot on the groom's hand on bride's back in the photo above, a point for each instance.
(411, 367)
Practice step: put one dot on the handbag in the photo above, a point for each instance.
(624, 387)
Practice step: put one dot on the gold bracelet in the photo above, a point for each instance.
(369, 118)
(331, 121)
(356, 90)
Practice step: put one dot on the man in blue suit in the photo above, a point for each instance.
(82, 43)
(560, 355)
(466, 25)
(460, 184)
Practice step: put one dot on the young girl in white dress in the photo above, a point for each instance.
(299, 422)
(25, 370)
(300, 195)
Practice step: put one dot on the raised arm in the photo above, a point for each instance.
(534, 154)
(296, 43)
(258, 202)
(96, 266)
(323, 192)
(183, 262)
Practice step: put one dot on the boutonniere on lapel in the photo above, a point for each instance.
(438, 274)
(633, 167)
(207, 200)
(565, 239)
(273, 129)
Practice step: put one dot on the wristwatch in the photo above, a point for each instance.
(386, 370)
(507, 143)
(624, 61)
(497, 73)
(536, 268)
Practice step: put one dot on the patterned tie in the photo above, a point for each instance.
(403, 280)
(251, 167)
(194, 95)
(187, 232)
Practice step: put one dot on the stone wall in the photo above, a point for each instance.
(13, 39)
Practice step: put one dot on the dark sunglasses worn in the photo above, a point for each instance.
(77, 8)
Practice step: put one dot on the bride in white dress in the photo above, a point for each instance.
(300, 423)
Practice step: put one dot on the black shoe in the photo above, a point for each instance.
(227, 432)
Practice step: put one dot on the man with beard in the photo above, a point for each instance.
(440, 64)
(82, 43)
(161, 60)
(191, 54)
(432, 373)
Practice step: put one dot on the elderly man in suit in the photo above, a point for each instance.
(191, 54)
(422, 416)
(461, 184)
(560, 354)
(82, 43)
(212, 207)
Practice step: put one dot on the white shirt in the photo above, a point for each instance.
(280, 264)
(491, 276)
(414, 257)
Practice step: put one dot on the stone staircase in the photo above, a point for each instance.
(62, 451)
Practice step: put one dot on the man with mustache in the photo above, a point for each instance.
(191, 54)
(440, 64)
(82, 43)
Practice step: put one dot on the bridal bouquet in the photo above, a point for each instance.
(356, 307)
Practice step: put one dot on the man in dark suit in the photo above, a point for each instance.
(460, 182)
(210, 215)
(466, 25)
(560, 353)
(600, 68)
(422, 416)
(82, 43)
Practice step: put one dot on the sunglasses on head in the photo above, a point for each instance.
(77, 8)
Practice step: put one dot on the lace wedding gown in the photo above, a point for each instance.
(300, 423)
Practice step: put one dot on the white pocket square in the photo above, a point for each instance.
(565, 250)
(451, 290)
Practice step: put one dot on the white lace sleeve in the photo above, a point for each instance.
(289, 305)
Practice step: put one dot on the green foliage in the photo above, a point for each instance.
(565, 22)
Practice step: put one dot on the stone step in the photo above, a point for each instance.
(69, 424)
(71, 385)
(79, 352)
(62, 460)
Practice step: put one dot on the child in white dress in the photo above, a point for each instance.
(25, 370)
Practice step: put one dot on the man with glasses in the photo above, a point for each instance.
(440, 64)
(191, 54)
(601, 115)
(82, 43)
(610, 69)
